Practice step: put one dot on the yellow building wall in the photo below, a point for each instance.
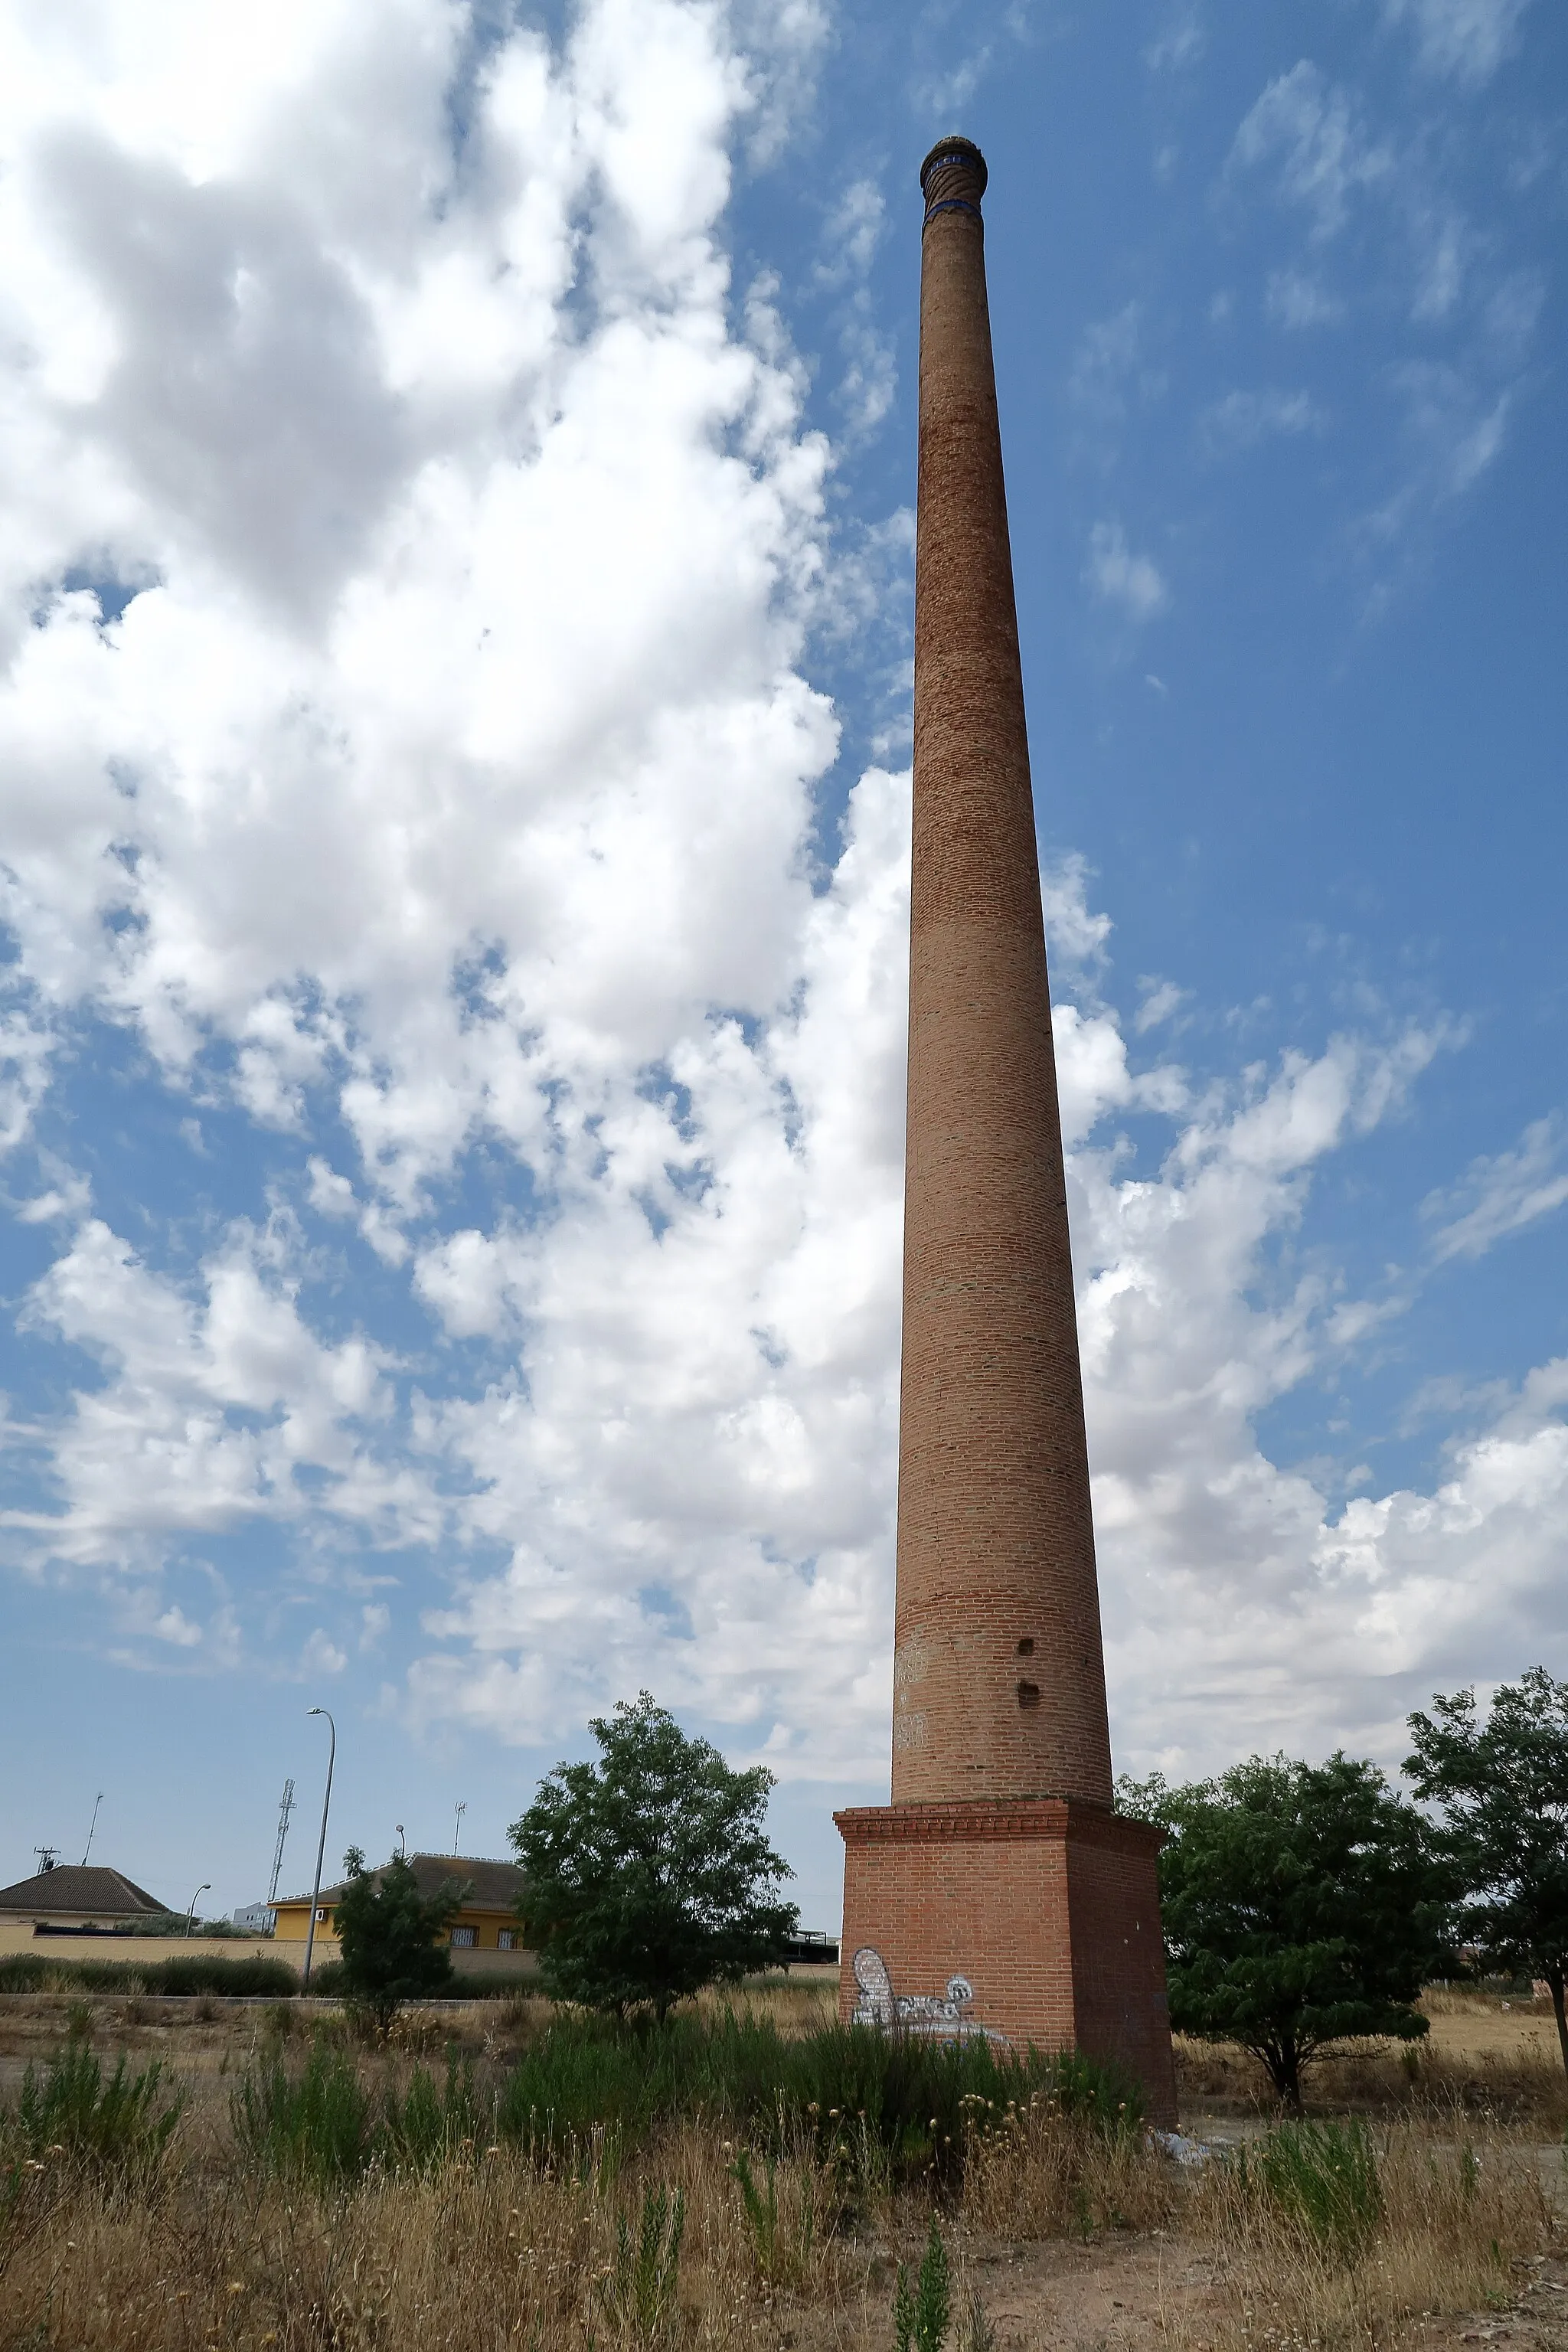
(294, 1920)
(16, 1936)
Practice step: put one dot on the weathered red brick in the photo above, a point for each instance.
(999, 1713)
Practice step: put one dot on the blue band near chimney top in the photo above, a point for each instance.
(952, 204)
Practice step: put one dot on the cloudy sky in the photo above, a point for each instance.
(455, 580)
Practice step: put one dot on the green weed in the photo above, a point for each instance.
(124, 2122)
(904, 2102)
(427, 2127)
(638, 2292)
(923, 2309)
(318, 2124)
(1323, 2176)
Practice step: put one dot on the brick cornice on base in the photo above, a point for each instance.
(972, 1819)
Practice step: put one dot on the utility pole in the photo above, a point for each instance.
(321, 1848)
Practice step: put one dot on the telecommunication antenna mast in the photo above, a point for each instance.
(47, 1857)
(284, 1810)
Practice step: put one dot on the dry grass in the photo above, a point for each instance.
(1461, 2215)
(496, 2251)
(1481, 2056)
(1033, 2172)
(492, 2252)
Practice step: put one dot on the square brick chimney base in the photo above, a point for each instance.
(1048, 1908)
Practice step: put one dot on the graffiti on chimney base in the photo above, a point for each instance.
(941, 2016)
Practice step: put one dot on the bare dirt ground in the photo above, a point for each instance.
(1162, 2296)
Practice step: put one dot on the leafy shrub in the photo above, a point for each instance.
(206, 1972)
(199, 1973)
(1323, 2178)
(1304, 1904)
(329, 1981)
(123, 2124)
(392, 1938)
(648, 1874)
(518, 1984)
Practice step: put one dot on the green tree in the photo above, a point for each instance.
(1302, 1905)
(1502, 1783)
(647, 1874)
(391, 1936)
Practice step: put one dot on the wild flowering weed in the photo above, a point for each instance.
(1034, 2168)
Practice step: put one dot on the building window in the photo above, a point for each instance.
(319, 1917)
(507, 1940)
(463, 1939)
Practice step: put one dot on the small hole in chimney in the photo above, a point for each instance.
(1028, 1694)
(1026, 1646)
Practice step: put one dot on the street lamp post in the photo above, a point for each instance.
(321, 1848)
(204, 1888)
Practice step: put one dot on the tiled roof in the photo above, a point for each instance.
(492, 1885)
(89, 1892)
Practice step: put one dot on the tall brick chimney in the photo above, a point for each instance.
(999, 1863)
(998, 1681)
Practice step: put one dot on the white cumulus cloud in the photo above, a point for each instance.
(407, 758)
(1117, 575)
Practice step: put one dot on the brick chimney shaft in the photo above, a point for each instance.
(999, 1679)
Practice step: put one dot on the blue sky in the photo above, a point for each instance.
(454, 673)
